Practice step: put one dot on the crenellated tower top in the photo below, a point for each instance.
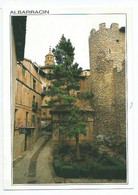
(102, 27)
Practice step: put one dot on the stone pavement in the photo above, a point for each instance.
(43, 170)
(34, 166)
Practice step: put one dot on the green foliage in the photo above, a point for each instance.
(108, 172)
(86, 96)
(72, 122)
(64, 52)
(61, 150)
(90, 149)
(65, 80)
(99, 166)
(70, 170)
(94, 170)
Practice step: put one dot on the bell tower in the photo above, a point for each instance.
(49, 58)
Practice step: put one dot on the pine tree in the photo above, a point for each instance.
(65, 81)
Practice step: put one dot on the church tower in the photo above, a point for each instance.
(49, 58)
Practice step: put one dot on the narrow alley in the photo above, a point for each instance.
(34, 166)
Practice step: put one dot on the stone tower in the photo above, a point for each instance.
(107, 78)
(49, 58)
(49, 62)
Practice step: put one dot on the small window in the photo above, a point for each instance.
(23, 71)
(33, 120)
(33, 98)
(27, 117)
(34, 84)
(109, 50)
(117, 40)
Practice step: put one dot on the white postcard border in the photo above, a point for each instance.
(7, 133)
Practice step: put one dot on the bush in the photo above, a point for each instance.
(107, 167)
(94, 170)
(89, 149)
(70, 171)
(61, 150)
(64, 149)
(106, 160)
(109, 172)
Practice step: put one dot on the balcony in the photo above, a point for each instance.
(34, 106)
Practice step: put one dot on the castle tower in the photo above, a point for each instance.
(49, 58)
(107, 78)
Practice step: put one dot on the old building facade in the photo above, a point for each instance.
(107, 79)
(18, 26)
(27, 118)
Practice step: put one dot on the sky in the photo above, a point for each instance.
(45, 31)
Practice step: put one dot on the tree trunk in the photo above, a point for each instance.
(77, 148)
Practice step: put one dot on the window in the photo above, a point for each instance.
(117, 40)
(34, 84)
(33, 98)
(33, 120)
(23, 71)
(27, 114)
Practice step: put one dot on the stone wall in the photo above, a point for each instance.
(107, 78)
(120, 100)
(18, 145)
